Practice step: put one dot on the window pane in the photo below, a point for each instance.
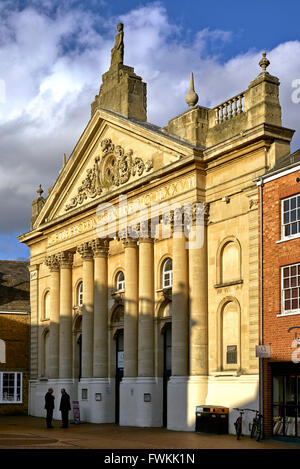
(286, 205)
(293, 215)
(287, 230)
(293, 203)
(294, 228)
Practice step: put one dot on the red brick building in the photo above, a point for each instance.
(280, 201)
(14, 337)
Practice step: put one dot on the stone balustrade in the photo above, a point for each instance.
(230, 108)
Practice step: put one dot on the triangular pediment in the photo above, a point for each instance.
(112, 155)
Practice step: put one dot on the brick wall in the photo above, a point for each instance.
(275, 256)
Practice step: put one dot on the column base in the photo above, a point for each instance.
(38, 389)
(96, 398)
(184, 394)
(141, 402)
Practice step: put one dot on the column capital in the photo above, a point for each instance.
(65, 259)
(85, 251)
(130, 242)
(52, 263)
(100, 247)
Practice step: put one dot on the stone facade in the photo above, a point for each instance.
(14, 337)
(148, 351)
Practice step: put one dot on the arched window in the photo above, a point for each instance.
(120, 281)
(47, 305)
(80, 294)
(167, 274)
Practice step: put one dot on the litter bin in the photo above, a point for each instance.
(212, 419)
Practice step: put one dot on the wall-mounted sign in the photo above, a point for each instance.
(120, 360)
(263, 351)
(147, 397)
(98, 396)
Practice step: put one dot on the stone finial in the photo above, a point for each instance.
(40, 191)
(264, 63)
(191, 98)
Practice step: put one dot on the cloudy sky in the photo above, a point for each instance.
(53, 53)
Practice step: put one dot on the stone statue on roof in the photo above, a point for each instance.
(117, 53)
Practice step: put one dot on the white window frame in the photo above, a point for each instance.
(15, 400)
(120, 284)
(80, 294)
(288, 312)
(167, 283)
(283, 224)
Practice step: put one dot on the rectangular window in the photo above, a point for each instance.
(290, 216)
(10, 387)
(290, 281)
(231, 354)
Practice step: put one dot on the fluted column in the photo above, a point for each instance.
(65, 327)
(100, 364)
(146, 304)
(53, 264)
(179, 303)
(198, 300)
(87, 309)
(131, 308)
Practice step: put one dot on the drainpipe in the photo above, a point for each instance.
(260, 183)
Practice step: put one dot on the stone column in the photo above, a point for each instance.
(131, 308)
(100, 365)
(53, 264)
(179, 303)
(198, 299)
(87, 309)
(65, 328)
(146, 304)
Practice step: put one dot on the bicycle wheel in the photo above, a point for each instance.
(259, 426)
(238, 428)
(254, 430)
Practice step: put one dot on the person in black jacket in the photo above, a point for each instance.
(64, 407)
(49, 406)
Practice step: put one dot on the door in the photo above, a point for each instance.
(167, 369)
(119, 370)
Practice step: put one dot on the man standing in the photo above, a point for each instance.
(64, 407)
(49, 406)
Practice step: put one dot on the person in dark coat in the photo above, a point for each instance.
(64, 407)
(49, 406)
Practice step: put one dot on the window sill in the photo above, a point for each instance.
(11, 402)
(282, 315)
(288, 238)
(228, 284)
(226, 373)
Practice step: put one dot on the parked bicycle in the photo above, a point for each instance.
(257, 424)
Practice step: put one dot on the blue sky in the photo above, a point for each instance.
(53, 53)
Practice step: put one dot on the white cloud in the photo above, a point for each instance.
(52, 59)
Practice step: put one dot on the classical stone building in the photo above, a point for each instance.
(139, 313)
(14, 337)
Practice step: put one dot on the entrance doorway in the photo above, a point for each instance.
(119, 370)
(167, 369)
(286, 400)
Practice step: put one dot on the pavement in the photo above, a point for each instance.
(24, 432)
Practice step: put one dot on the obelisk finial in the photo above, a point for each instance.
(191, 98)
(264, 62)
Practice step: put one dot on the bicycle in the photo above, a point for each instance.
(257, 426)
(238, 423)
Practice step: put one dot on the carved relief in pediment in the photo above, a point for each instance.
(113, 168)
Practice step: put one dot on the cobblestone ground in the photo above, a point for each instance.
(31, 433)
